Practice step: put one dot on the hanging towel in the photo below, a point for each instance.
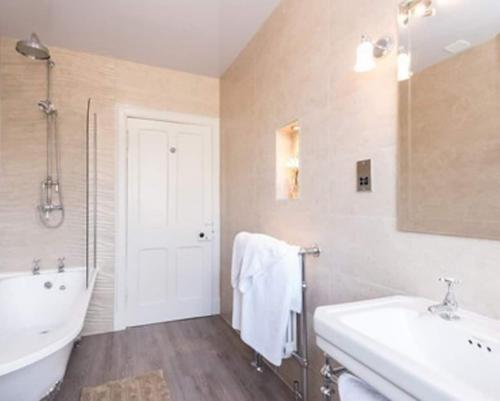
(239, 246)
(352, 388)
(267, 287)
(261, 251)
(252, 253)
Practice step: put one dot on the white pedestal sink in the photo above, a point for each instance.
(407, 353)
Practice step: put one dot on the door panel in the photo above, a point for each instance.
(190, 178)
(153, 276)
(169, 267)
(153, 179)
(190, 272)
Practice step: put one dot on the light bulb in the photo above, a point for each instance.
(424, 9)
(420, 10)
(404, 65)
(364, 56)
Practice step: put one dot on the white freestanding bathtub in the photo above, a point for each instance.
(40, 318)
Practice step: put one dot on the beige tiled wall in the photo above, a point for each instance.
(300, 66)
(77, 76)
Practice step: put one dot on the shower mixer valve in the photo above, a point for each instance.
(47, 205)
(49, 183)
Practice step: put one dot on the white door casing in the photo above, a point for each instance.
(170, 267)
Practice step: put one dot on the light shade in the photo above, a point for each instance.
(365, 60)
(404, 65)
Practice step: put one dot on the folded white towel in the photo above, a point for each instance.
(352, 388)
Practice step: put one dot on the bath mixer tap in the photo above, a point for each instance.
(36, 266)
(448, 308)
(60, 264)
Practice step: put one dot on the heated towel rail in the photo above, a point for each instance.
(301, 390)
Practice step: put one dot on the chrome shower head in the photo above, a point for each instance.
(47, 107)
(33, 48)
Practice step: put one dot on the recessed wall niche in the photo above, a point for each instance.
(287, 162)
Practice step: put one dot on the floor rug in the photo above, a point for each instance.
(148, 387)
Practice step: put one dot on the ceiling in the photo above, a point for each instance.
(197, 36)
(475, 21)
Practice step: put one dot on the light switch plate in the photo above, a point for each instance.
(364, 175)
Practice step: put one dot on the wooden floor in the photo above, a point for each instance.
(202, 359)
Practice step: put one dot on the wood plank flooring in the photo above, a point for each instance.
(202, 359)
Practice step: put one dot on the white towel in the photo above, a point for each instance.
(239, 247)
(352, 388)
(252, 253)
(267, 288)
(261, 251)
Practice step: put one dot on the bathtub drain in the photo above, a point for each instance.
(44, 332)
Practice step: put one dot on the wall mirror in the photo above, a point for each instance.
(449, 117)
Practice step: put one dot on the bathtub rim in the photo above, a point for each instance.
(70, 333)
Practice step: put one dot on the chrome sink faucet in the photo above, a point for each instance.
(448, 308)
(61, 265)
(36, 267)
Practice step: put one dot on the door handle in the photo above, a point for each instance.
(205, 236)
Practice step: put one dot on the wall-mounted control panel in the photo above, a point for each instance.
(364, 175)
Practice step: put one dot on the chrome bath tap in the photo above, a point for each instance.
(448, 308)
(36, 267)
(61, 265)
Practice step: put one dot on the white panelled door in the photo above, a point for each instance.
(170, 221)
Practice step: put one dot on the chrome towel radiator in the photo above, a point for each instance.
(301, 390)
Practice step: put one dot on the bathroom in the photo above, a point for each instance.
(359, 135)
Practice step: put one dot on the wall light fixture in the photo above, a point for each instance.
(368, 51)
(417, 8)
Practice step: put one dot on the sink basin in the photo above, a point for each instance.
(407, 353)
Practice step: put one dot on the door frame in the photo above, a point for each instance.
(124, 112)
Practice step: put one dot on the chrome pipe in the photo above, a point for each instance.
(331, 377)
(314, 251)
(303, 328)
(257, 363)
(95, 192)
(303, 357)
